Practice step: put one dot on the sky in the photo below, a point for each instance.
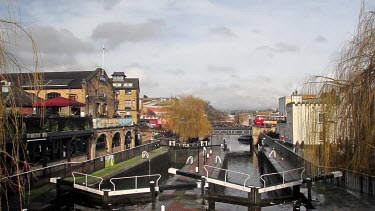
(237, 54)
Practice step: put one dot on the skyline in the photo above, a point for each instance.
(235, 54)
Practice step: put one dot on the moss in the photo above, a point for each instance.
(117, 167)
(38, 192)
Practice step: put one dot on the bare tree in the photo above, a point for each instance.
(12, 147)
(347, 99)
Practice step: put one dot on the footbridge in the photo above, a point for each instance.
(232, 131)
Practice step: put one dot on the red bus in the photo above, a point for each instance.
(269, 120)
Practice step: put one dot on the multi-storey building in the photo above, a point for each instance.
(153, 110)
(127, 95)
(303, 119)
(91, 88)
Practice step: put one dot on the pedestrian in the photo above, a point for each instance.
(302, 144)
(26, 166)
(296, 146)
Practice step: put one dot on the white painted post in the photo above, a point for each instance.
(162, 208)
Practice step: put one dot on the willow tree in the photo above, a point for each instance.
(347, 103)
(12, 148)
(187, 118)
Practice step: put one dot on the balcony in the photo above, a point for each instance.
(38, 124)
(112, 122)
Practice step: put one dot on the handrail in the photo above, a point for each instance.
(145, 155)
(348, 170)
(190, 160)
(136, 180)
(217, 159)
(40, 169)
(67, 163)
(86, 175)
(226, 173)
(283, 173)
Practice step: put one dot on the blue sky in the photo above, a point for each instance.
(236, 54)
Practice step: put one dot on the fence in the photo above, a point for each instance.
(351, 180)
(41, 176)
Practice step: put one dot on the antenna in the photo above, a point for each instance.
(104, 49)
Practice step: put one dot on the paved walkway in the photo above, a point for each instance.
(326, 196)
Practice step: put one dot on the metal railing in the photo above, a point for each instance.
(351, 180)
(226, 174)
(136, 186)
(283, 175)
(86, 179)
(42, 175)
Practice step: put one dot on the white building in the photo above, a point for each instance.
(303, 123)
(302, 119)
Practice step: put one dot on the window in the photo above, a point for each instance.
(117, 84)
(118, 78)
(52, 95)
(128, 92)
(128, 104)
(321, 117)
(128, 84)
(72, 97)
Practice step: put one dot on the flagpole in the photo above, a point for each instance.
(103, 55)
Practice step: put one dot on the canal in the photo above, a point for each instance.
(240, 159)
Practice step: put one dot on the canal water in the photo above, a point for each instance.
(240, 159)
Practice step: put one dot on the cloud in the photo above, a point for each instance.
(277, 48)
(220, 69)
(52, 41)
(256, 31)
(115, 33)
(320, 39)
(109, 4)
(283, 47)
(176, 72)
(223, 31)
(143, 73)
(56, 48)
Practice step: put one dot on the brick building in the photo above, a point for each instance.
(127, 95)
(93, 88)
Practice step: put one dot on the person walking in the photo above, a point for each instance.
(26, 166)
(296, 146)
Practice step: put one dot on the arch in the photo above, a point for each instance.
(101, 145)
(116, 142)
(128, 140)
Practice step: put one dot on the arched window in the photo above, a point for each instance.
(52, 95)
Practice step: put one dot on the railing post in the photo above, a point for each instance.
(203, 182)
(153, 194)
(106, 197)
(257, 197)
(309, 185)
(250, 195)
(296, 191)
(58, 192)
(370, 188)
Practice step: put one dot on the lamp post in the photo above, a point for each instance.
(197, 170)
(88, 105)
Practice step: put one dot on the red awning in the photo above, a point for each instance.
(58, 102)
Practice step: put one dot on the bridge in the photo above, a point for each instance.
(254, 131)
(232, 131)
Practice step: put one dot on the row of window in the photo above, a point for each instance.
(56, 94)
(123, 84)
